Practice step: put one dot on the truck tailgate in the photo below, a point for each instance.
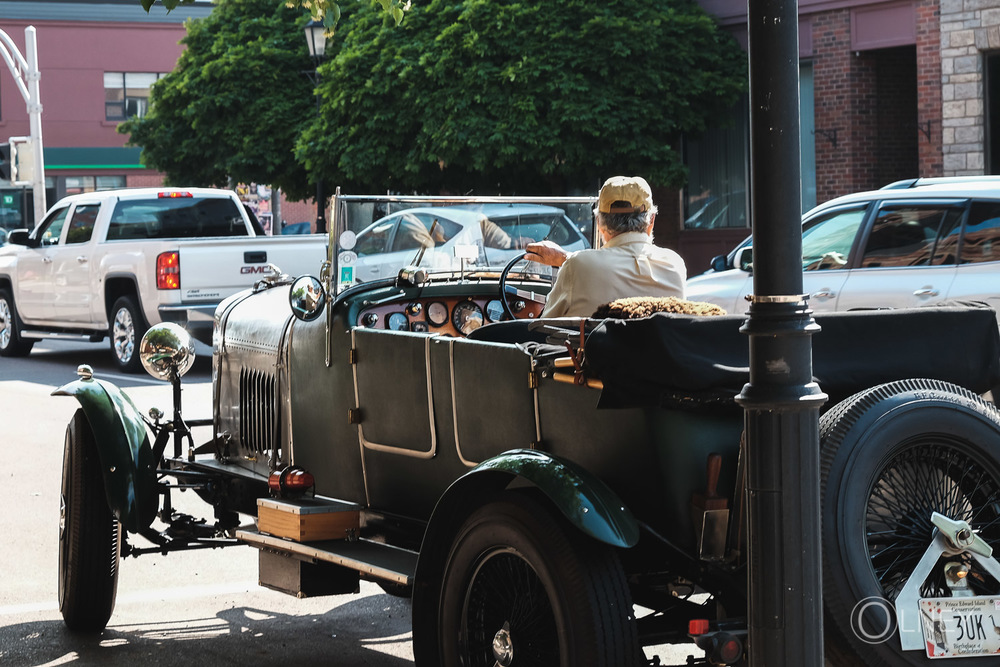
(212, 269)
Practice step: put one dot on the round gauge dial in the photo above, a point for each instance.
(437, 313)
(397, 322)
(494, 310)
(467, 317)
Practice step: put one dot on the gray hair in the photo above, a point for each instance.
(619, 223)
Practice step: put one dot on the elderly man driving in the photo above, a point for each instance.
(627, 265)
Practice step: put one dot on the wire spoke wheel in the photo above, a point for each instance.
(932, 475)
(508, 616)
(521, 587)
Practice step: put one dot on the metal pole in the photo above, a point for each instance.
(35, 121)
(320, 197)
(781, 401)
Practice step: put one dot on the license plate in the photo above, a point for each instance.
(961, 627)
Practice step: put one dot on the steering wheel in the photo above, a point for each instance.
(506, 290)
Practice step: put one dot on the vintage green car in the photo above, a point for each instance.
(549, 491)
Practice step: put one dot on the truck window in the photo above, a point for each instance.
(81, 225)
(51, 229)
(177, 217)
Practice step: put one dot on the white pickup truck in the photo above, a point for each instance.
(115, 262)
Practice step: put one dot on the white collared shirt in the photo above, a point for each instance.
(628, 265)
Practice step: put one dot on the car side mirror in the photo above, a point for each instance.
(744, 259)
(18, 237)
(719, 263)
(307, 298)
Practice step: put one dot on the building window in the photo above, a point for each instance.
(77, 184)
(992, 94)
(126, 94)
(718, 164)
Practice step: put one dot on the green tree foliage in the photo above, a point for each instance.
(519, 95)
(236, 102)
(327, 11)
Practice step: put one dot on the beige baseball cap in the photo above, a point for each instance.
(625, 194)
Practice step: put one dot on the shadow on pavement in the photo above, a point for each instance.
(350, 634)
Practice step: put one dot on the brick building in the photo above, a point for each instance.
(888, 90)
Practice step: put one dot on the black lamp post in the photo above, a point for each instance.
(781, 400)
(316, 41)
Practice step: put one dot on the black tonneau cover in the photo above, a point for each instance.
(666, 357)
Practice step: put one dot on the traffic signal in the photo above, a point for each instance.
(7, 171)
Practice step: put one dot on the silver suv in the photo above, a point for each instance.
(913, 243)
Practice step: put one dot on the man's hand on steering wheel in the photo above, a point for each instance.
(545, 252)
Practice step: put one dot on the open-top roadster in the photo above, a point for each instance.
(550, 491)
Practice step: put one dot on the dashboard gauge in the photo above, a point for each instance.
(467, 317)
(437, 313)
(419, 327)
(397, 322)
(369, 320)
(494, 310)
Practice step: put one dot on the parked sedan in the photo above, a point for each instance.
(429, 236)
(931, 241)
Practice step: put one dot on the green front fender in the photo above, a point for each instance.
(585, 500)
(123, 448)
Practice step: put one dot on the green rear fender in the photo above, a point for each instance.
(123, 448)
(585, 500)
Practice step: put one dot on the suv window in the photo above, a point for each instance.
(81, 225)
(176, 217)
(827, 241)
(907, 235)
(981, 238)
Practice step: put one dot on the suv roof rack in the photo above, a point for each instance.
(939, 180)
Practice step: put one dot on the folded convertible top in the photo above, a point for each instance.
(667, 358)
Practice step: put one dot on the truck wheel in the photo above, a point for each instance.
(127, 328)
(11, 343)
(890, 456)
(89, 535)
(522, 587)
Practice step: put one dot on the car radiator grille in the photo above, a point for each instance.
(258, 412)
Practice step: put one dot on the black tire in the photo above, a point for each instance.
(515, 570)
(89, 535)
(11, 343)
(125, 329)
(890, 456)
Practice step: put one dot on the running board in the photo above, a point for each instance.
(51, 335)
(374, 559)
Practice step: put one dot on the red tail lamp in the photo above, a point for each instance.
(168, 270)
(697, 626)
(173, 195)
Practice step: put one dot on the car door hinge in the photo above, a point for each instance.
(354, 416)
(352, 355)
(534, 379)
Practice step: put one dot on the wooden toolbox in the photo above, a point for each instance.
(307, 519)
